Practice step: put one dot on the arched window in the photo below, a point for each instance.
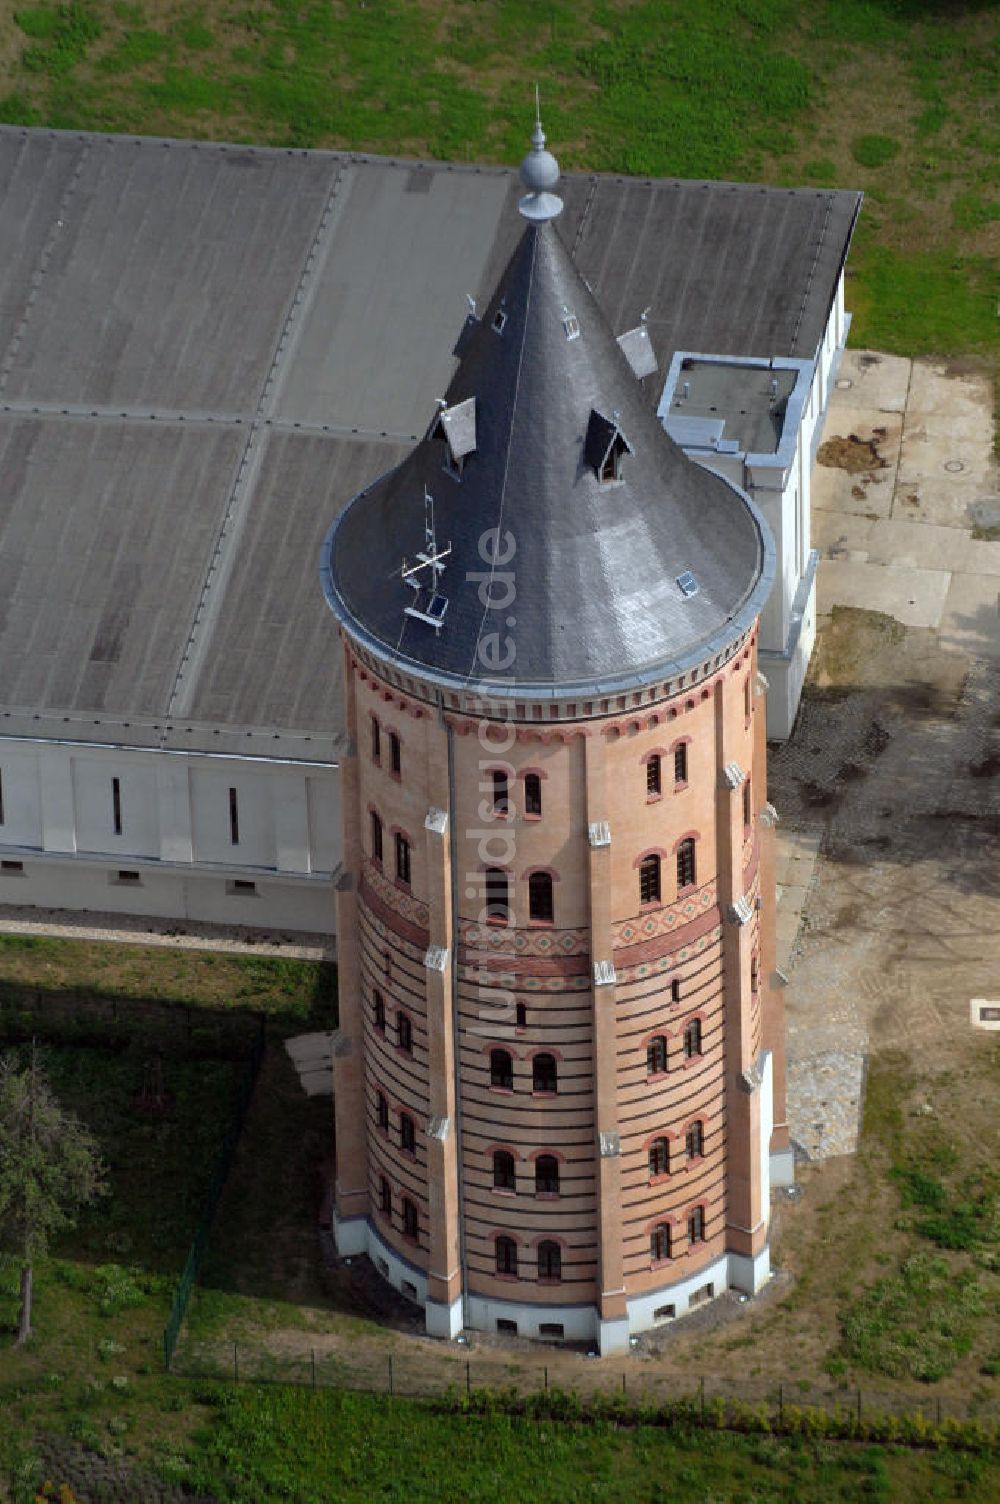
(376, 834)
(504, 1171)
(696, 1225)
(532, 794)
(694, 1140)
(378, 1010)
(407, 1133)
(501, 795)
(506, 1254)
(544, 1076)
(681, 763)
(404, 1033)
(502, 1069)
(385, 1198)
(653, 774)
(549, 1261)
(685, 864)
(547, 1174)
(649, 880)
(659, 1157)
(659, 1242)
(376, 740)
(497, 894)
(656, 1056)
(411, 1222)
(395, 754)
(540, 896)
(382, 1110)
(692, 1039)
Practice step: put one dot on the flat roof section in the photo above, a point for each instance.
(750, 401)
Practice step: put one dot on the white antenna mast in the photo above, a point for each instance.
(430, 558)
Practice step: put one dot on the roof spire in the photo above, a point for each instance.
(539, 173)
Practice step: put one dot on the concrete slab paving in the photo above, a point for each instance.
(970, 619)
(869, 379)
(915, 597)
(936, 387)
(907, 544)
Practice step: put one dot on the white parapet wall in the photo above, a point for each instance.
(248, 841)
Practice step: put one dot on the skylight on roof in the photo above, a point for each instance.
(499, 320)
(687, 584)
(571, 324)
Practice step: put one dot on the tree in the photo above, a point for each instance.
(49, 1167)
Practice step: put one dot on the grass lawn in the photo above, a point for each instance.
(898, 97)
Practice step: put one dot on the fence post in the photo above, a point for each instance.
(624, 1385)
(546, 1371)
(391, 1389)
(312, 1354)
(236, 1365)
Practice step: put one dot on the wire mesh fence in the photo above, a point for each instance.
(640, 1382)
(196, 1253)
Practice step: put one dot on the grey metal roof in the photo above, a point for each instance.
(213, 348)
(586, 597)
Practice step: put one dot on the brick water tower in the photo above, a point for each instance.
(559, 1076)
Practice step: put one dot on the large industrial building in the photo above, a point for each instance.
(205, 351)
(559, 1074)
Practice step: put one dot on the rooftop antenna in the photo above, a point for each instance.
(429, 605)
(539, 174)
(472, 305)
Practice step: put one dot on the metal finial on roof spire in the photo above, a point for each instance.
(539, 173)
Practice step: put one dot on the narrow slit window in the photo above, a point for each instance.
(411, 1224)
(404, 1033)
(376, 837)
(376, 740)
(532, 794)
(747, 803)
(402, 858)
(501, 795)
(521, 1015)
(383, 1112)
(116, 804)
(407, 1133)
(385, 1198)
(378, 1010)
(681, 763)
(395, 754)
(692, 1039)
(653, 775)
(234, 818)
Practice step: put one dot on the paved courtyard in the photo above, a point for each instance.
(889, 895)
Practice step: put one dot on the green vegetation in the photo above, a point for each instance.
(271, 1443)
(776, 90)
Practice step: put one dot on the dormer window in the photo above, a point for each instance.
(571, 324)
(455, 428)
(605, 447)
(687, 584)
(499, 321)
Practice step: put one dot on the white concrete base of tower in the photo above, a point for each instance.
(782, 1168)
(612, 1336)
(750, 1273)
(350, 1235)
(656, 1307)
(785, 671)
(579, 1323)
(443, 1320)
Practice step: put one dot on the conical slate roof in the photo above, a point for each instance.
(590, 566)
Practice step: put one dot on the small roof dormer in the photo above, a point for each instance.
(605, 446)
(455, 427)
